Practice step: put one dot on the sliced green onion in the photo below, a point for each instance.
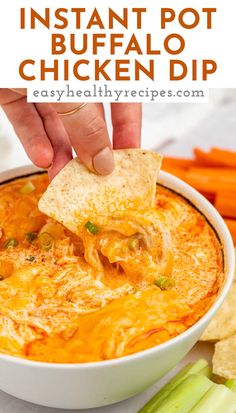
(1, 277)
(46, 241)
(10, 243)
(165, 283)
(31, 258)
(31, 236)
(91, 227)
(27, 188)
(133, 243)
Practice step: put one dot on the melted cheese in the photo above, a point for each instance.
(58, 306)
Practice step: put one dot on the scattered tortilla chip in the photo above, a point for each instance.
(223, 324)
(77, 195)
(224, 360)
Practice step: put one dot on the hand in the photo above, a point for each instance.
(48, 138)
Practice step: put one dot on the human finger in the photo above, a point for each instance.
(58, 137)
(88, 134)
(127, 124)
(28, 127)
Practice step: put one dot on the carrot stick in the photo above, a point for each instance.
(231, 224)
(179, 172)
(222, 174)
(227, 194)
(225, 157)
(210, 197)
(233, 238)
(183, 163)
(205, 159)
(225, 203)
(211, 180)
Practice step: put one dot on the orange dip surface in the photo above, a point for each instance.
(56, 306)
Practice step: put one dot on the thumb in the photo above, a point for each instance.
(88, 135)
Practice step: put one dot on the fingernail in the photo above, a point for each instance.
(48, 167)
(103, 161)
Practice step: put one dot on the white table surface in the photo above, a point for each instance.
(188, 125)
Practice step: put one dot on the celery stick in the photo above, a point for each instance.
(200, 366)
(231, 384)
(219, 399)
(185, 396)
(206, 371)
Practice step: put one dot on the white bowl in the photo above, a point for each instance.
(81, 386)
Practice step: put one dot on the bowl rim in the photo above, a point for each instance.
(228, 250)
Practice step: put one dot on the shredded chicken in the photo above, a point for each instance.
(65, 298)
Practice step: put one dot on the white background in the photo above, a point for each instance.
(217, 44)
(185, 125)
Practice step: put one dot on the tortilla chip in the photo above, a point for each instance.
(235, 265)
(223, 324)
(77, 195)
(224, 360)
